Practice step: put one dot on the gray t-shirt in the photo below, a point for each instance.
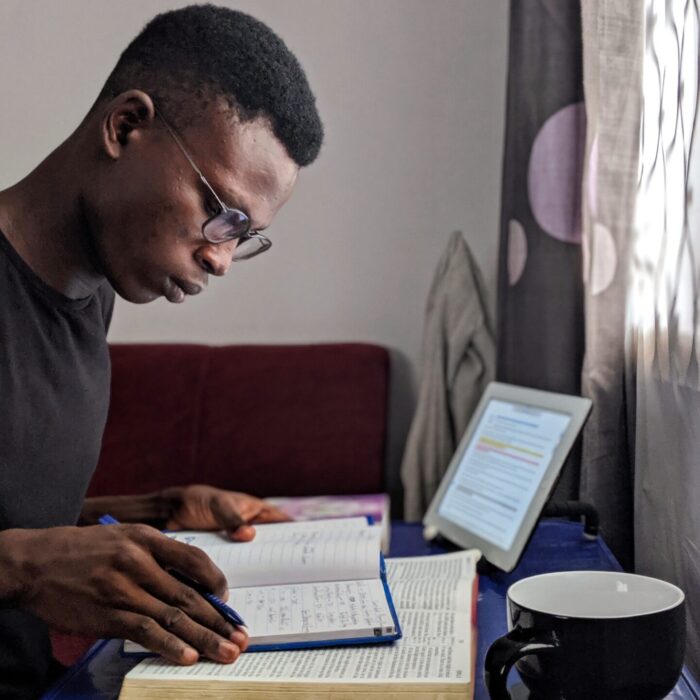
(54, 394)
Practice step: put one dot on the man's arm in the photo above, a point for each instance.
(153, 508)
(13, 567)
(115, 582)
(195, 507)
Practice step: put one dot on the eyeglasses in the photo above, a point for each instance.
(229, 224)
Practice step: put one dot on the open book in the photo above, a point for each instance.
(304, 584)
(436, 599)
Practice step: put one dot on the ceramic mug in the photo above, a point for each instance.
(591, 635)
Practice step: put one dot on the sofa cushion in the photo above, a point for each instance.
(266, 419)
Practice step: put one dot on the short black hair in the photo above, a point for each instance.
(185, 57)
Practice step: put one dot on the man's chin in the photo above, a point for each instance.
(141, 299)
(136, 296)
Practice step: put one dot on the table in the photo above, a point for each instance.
(555, 546)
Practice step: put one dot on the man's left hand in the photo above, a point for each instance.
(200, 507)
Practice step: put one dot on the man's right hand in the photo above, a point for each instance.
(113, 582)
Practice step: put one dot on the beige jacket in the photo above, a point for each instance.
(459, 356)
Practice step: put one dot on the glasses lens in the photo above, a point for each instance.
(230, 224)
(250, 247)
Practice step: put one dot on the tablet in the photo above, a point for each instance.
(504, 469)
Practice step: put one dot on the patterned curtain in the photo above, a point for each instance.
(641, 459)
(540, 314)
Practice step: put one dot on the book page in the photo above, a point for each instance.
(437, 645)
(390, 663)
(308, 611)
(454, 566)
(433, 583)
(295, 552)
(432, 594)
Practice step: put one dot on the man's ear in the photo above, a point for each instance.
(125, 118)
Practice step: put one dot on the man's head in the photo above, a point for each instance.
(220, 88)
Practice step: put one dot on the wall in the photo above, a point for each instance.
(412, 96)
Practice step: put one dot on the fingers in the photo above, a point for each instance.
(172, 618)
(271, 514)
(249, 509)
(235, 511)
(227, 513)
(168, 587)
(168, 631)
(179, 610)
(260, 512)
(245, 533)
(240, 639)
(146, 632)
(189, 560)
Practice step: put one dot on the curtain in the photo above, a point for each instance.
(641, 223)
(540, 296)
(612, 50)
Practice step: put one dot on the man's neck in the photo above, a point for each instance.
(42, 218)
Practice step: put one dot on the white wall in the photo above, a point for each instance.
(412, 96)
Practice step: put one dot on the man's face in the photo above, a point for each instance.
(147, 224)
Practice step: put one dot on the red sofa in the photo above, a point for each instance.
(271, 420)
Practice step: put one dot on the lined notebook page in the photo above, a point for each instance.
(313, 610)
(288, 553)
(307, 612)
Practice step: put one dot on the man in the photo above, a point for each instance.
(190, 150)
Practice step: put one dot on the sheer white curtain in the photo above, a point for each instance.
(662, 317)
(642, 229)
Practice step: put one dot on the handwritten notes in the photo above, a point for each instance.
(314, 608)
(295, 553)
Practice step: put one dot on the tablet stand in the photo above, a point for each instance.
(575, 510)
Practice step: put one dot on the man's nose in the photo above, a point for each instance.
(215, 259)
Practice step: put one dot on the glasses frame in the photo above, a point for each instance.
(264, 241)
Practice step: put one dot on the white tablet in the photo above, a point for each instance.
(504, 469)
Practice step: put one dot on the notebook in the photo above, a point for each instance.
(304, 584)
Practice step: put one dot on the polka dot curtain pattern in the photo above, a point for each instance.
(540, 296)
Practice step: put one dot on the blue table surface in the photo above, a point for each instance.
(555, 546)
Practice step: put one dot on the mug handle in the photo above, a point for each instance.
(505, 651)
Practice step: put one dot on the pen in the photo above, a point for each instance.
(226, 611)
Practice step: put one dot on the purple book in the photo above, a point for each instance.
(323, 507)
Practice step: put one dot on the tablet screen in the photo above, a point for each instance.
(502, 468)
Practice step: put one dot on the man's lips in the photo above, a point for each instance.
(177, 290)
(188, 288)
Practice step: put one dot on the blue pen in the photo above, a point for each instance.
(226, 611)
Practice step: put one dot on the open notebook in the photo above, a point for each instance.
(304, 584)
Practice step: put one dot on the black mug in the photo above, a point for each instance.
(590, 635)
